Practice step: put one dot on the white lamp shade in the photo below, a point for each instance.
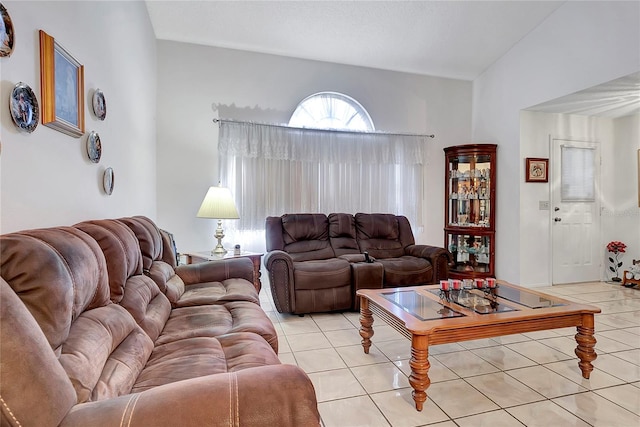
(219, 204)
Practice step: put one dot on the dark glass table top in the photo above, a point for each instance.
(474, 299)
(525, 298)
(420, 306)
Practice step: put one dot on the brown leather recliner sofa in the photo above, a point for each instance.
(98, 327)
(316, 262)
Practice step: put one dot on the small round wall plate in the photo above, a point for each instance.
(24, 107)
(94, 147)
(99, 104)
(6, 32)
(108, 180)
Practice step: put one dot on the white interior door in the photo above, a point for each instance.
(575, 208)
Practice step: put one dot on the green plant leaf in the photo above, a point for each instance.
(612, 269)
(611, 260)
(620, 264)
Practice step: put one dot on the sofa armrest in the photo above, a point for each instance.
(440, 259)
(277, 395)
(352, 258)
(279, 264)
(216, 271)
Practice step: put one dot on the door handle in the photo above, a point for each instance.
(556, 219)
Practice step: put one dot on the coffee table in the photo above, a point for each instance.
(428, 316)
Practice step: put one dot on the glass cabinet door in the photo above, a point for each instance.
(471, 253)
(470, 191)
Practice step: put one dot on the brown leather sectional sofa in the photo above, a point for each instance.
(316, 262)
(100, 328)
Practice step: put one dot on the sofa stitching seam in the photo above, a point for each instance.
(131, 403)
(230, 402)
(10, 411)
(237, 398)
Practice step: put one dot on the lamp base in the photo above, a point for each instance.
(219, 249)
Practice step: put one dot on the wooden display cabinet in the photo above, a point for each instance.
(469, 230)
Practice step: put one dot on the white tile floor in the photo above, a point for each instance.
(525, 379)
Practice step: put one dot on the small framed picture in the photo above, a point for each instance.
(24, 107)
(537, 170)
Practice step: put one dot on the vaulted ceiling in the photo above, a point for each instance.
(457, 39)
(454, 39)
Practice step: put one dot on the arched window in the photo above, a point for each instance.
(331, 110)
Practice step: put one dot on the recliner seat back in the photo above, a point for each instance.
(137, 293)
(342, 234)
(158, 256)
(57, 314)
(383, 235)
(303, 236)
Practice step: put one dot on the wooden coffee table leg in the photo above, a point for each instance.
(586, 342)
(366, 321)
(419, 378)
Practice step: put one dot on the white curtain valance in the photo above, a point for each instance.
(254, 140)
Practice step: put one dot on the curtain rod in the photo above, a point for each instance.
(216, 120)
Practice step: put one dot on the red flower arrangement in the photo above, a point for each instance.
(616, 247)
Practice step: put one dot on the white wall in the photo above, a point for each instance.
(46, 178)
(624, 218)
(580, 45)
(616, 190)
(197, 83)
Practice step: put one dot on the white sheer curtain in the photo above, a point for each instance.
(273, 170)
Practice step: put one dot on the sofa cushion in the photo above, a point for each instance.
(406, 270)
(137, 293)
(328, 273)
(24, 346)
(149, 238)
(57, 273)
(306, 236)
(379, 234)
(165, 277)
(233, 289)
(342, 234)
(215, 320)
(120, 248)
(323, 300)
(116, 346)
(156, 246)
(214, 282)
(155, 251)
(199, 356)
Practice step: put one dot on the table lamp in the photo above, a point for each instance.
(219, 204)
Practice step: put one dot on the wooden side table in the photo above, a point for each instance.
(197, 257)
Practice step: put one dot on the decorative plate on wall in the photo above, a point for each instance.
(94, 147)
(24, 107)
(6, 32)
(99, 104)
(108, 181)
